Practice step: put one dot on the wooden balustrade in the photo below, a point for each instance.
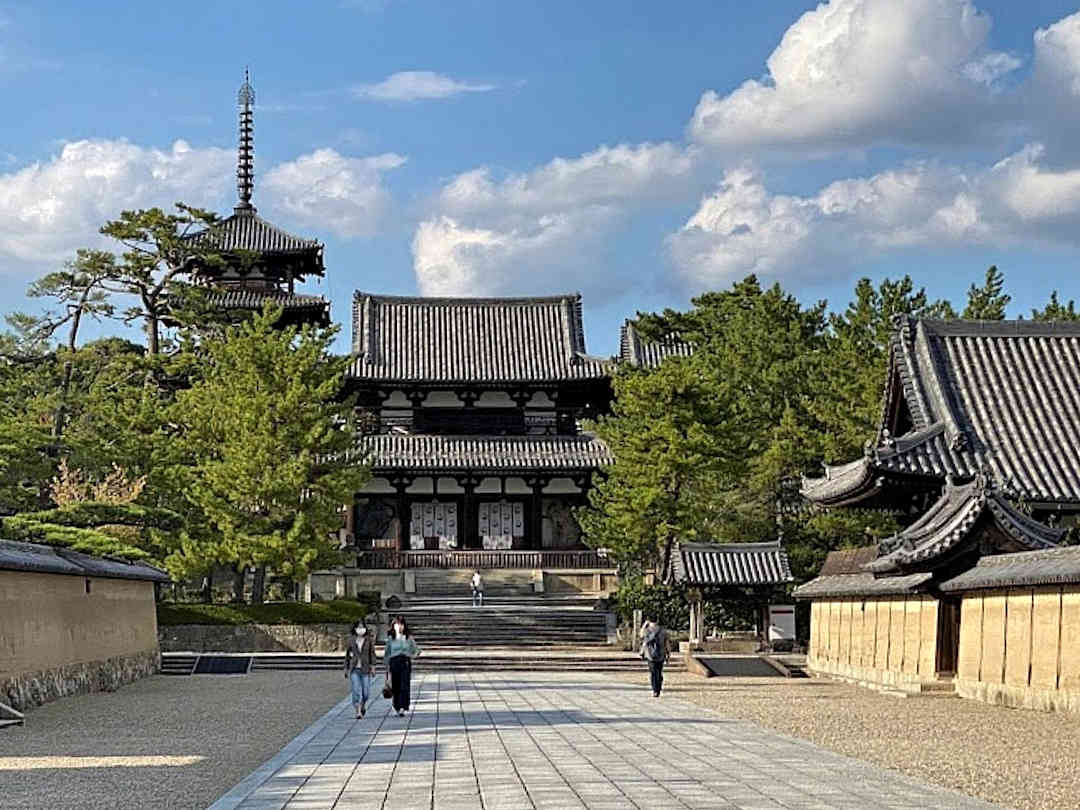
(480, 558)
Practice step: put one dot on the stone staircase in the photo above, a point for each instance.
(504, 621)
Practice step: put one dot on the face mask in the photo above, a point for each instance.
(361, 631)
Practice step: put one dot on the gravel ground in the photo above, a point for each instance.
(163, 742)
(1016, 758)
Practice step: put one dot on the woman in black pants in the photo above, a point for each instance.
(398, 655)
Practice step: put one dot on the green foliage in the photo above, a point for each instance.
(265, 438)
(988, 302)
(87, 540)
(159, 252)
(1056, 311)
(338, 611)
(669, 605)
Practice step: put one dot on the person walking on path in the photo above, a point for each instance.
(360, 665)
(654, 649)
(477, 590)
(399, 654)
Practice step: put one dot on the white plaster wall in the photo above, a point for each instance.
(561, 486)
(421, 486)
(517, 486)
(397, 399)
(495, 399)
(489, 486)
(377, 486)
(448, 486)
(442, 399)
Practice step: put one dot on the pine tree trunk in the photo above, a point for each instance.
(258, 586)
(239, 576)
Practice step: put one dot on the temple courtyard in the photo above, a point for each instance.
(518, 740)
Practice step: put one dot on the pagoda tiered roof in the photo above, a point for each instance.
(297, 308)
(964, 396)
(471, 340)
(246, 231)
(507, 454)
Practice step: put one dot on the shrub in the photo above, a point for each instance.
(336, 611)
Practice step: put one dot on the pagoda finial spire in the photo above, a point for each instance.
(245, 164)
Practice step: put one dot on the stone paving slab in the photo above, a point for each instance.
(534, 741)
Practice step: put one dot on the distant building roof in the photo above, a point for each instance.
(310, 306)
(471, 340)
(19, 556)
(570, 454)
(1027, 568)
(968, 395)
(637, 350)
(844, 574)
(946, 527)
(246, 231)
(738, 564)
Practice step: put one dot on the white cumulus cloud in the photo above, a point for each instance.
(742, 227)
(325, 189)
(853, 73)
(544, 229)
(417, 85)
(52, 207)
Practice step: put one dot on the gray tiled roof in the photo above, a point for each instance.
(388, 452)
(447, 340)
(1051, 567)
(247, 231)
(637, 350)
(730, 564)
(996, 395)
(864, 584)
(254, 300)
(950, 522)
(19, 556)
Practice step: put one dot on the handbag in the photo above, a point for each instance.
(387, 690)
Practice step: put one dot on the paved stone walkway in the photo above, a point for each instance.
(516, 741)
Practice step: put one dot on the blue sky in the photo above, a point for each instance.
(639, 152)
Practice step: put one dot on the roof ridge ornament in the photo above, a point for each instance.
(245, 157)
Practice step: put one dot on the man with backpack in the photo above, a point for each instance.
(654, 649)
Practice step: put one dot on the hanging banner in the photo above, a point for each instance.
(429, 519)
(496, 519)
(451, 524)
(485, 519)
(507, 518)
(440, 520)
(416, 527)
(519, 519)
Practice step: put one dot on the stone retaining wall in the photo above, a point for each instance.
(254, 638)
(28, 689)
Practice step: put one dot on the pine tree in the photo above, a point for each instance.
(988, 302)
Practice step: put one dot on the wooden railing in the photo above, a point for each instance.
(479, 558)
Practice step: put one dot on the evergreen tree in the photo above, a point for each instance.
(267, 439)
(988, 302)
(1056, 311)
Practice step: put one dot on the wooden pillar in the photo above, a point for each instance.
(536, 513)
(468, 527)
(403, 515)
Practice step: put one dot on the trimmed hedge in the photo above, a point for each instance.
(337, 611)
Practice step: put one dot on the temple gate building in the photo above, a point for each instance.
(978, 452)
